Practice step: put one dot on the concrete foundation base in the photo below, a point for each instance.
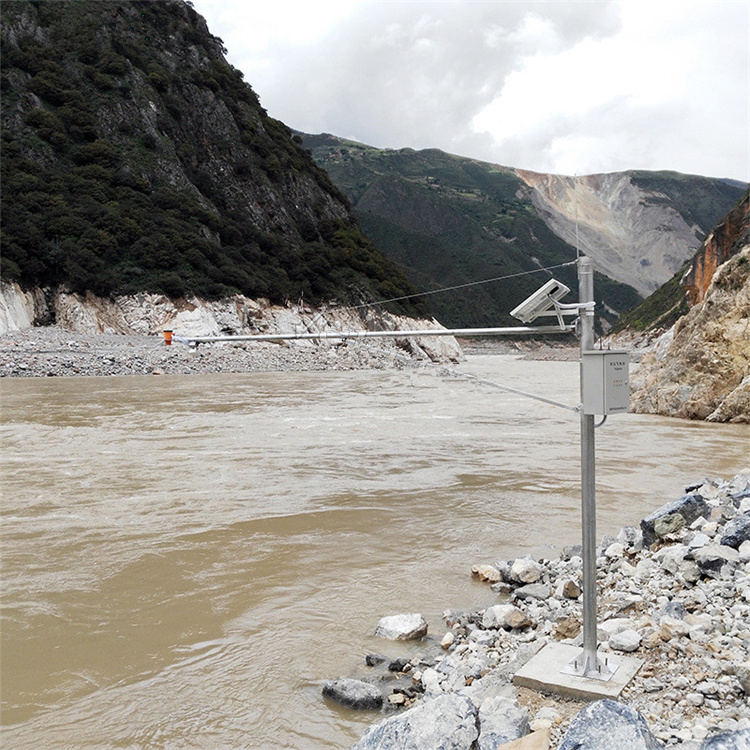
(543, 673)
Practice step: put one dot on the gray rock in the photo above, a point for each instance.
(671, 609)
(609, 725)
(728, 741)
(712, 559)
(631, 537)
(505, 616)
(533, 591)
(669, 524)
(574, 550)
(353, 693)
(447, 722)
(699, 540)
(742, 673)
(689, 507)
(526, 570)
(501, 720)
(736, 531)
(372, 660)
(402, 627)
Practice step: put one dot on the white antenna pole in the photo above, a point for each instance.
(575, 201)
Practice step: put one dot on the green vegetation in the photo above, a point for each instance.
(700, 200)
(660, 309)
(135, 158)
(450, 221)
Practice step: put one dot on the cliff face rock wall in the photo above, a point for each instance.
(150, 314)
(631, 236)
(137, 159)
(700, 368)
(720, 245)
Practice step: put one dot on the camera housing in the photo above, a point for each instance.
(540, 301)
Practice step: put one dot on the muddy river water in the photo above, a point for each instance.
(185, 560)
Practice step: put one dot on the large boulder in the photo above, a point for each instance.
(401, 627)
(687, 508)
(728, 741)
(736, 531)
(609, 725)
(713, 558)
(447, 722)
(505, 616)
(501, 720)
(353, 693)
(525, 570)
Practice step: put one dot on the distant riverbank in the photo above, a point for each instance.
(54, 352)
(51, 351)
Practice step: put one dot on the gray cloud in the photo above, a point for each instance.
(396, 74)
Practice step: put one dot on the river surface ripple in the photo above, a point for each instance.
(186, 559)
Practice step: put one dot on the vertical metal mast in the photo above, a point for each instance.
(588, 478)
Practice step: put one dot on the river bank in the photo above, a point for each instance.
(52, 351)
(673, 592)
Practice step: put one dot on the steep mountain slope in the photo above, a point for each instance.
(451, 220)
(700, 368)
(135, 158)
(638, 227)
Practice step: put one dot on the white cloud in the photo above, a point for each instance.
(568, 86)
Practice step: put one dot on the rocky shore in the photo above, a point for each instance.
(51, 351)
(673, 592)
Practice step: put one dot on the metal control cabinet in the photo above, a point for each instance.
(605, 386)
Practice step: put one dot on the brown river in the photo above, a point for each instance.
(185, 560)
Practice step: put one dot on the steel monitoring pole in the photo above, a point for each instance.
(588, 476)
(587, 664)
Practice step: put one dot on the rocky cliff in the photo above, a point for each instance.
(727, 239)
(700, 368)
(629, 226)
(136, 159)
(150, 314)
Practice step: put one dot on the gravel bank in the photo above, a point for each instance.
(52, 351)
(55, 352)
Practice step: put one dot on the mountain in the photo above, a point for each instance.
(700, 368)
(638, 227)
(136, 159)
(450, 220)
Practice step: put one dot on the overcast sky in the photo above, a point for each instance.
(559, 86)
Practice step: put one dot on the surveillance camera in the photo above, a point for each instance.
(541, 301)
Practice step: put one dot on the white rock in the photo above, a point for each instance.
(448, 640)
(628, 570)
(616, 625)
(504, 616)
(526, 570)
(486, 573)
(431, 681)
(402, 627)
(626, 640)
(671, 627)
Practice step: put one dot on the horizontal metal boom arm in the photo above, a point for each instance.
(512, 331)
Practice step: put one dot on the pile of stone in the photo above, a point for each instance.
(54, 352)
(675, 592)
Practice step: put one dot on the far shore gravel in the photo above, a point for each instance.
(51, 351)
